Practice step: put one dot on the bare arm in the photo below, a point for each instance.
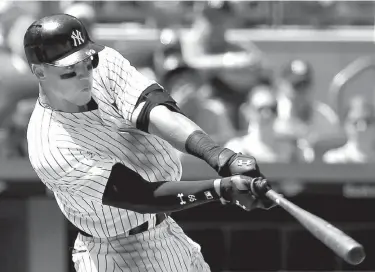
(171, 126)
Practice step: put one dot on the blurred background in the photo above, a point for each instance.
(294, 88)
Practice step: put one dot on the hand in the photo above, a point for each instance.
(245, 192)
(238, 164)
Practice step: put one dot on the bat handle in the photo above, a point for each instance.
(259, 186)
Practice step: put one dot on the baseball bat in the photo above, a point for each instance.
(339, 242)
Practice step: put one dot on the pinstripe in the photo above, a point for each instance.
(159, 235)
(90, 262)
(118, 266)
(108, 263)
(105, 259)
(146, 249)
(170, 159)
(157, 151)
(169, 251)
(43, 154)
(66, 207)
(94, 225)
(157, 248)
(176, 252)
(114, 267)
(135, 263)
(34, 152)
(48, 143)
(149, 247)
(112, 151)
(105, 223)
(119, 146)
(184, 243)
(148, 159)
(163, 249)
(118, 254)
(84, 263)
(99, 246)
(181, 253)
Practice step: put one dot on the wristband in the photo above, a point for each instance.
(217, 187)
(200, 145)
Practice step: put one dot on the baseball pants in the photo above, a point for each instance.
(162, 248)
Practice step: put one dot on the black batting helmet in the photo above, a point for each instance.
(59, 40)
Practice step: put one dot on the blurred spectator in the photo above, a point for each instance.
(228, 69)
(170, 68)
(208, 113)
(85, 13)
(16, 80)
(15, 143)
(300, 116)
(360, 131)
(262, 141)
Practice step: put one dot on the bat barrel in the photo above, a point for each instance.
(343, 245)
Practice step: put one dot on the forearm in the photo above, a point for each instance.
(153, 197)
(186, 136)
(171, 126)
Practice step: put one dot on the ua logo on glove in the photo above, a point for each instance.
(241, 162)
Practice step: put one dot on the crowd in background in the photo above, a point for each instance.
(231, 91)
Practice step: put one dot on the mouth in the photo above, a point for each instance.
(86, 89)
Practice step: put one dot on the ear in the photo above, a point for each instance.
(38, 70)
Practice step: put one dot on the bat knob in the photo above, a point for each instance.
(259, 186)
(356, 255)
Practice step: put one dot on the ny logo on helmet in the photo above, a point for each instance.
(77, 38)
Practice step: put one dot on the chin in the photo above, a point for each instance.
(82, 99)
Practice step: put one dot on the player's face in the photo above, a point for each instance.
(72, 83)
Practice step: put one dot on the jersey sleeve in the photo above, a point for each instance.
(126, 83)
(85, 174)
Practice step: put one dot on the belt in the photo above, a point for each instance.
(160, 217)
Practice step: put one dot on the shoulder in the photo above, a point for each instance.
(111, 56)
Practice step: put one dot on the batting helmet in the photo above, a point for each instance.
(59, 40)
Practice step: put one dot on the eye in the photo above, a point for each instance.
(68, 75)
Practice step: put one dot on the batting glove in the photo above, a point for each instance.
(238, 164)
(244, 191)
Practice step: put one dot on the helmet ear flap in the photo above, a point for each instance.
(95, 60)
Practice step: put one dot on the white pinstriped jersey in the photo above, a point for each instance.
(73, 153)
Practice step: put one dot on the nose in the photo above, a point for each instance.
(82, 70)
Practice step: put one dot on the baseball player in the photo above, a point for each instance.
(102, 138)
